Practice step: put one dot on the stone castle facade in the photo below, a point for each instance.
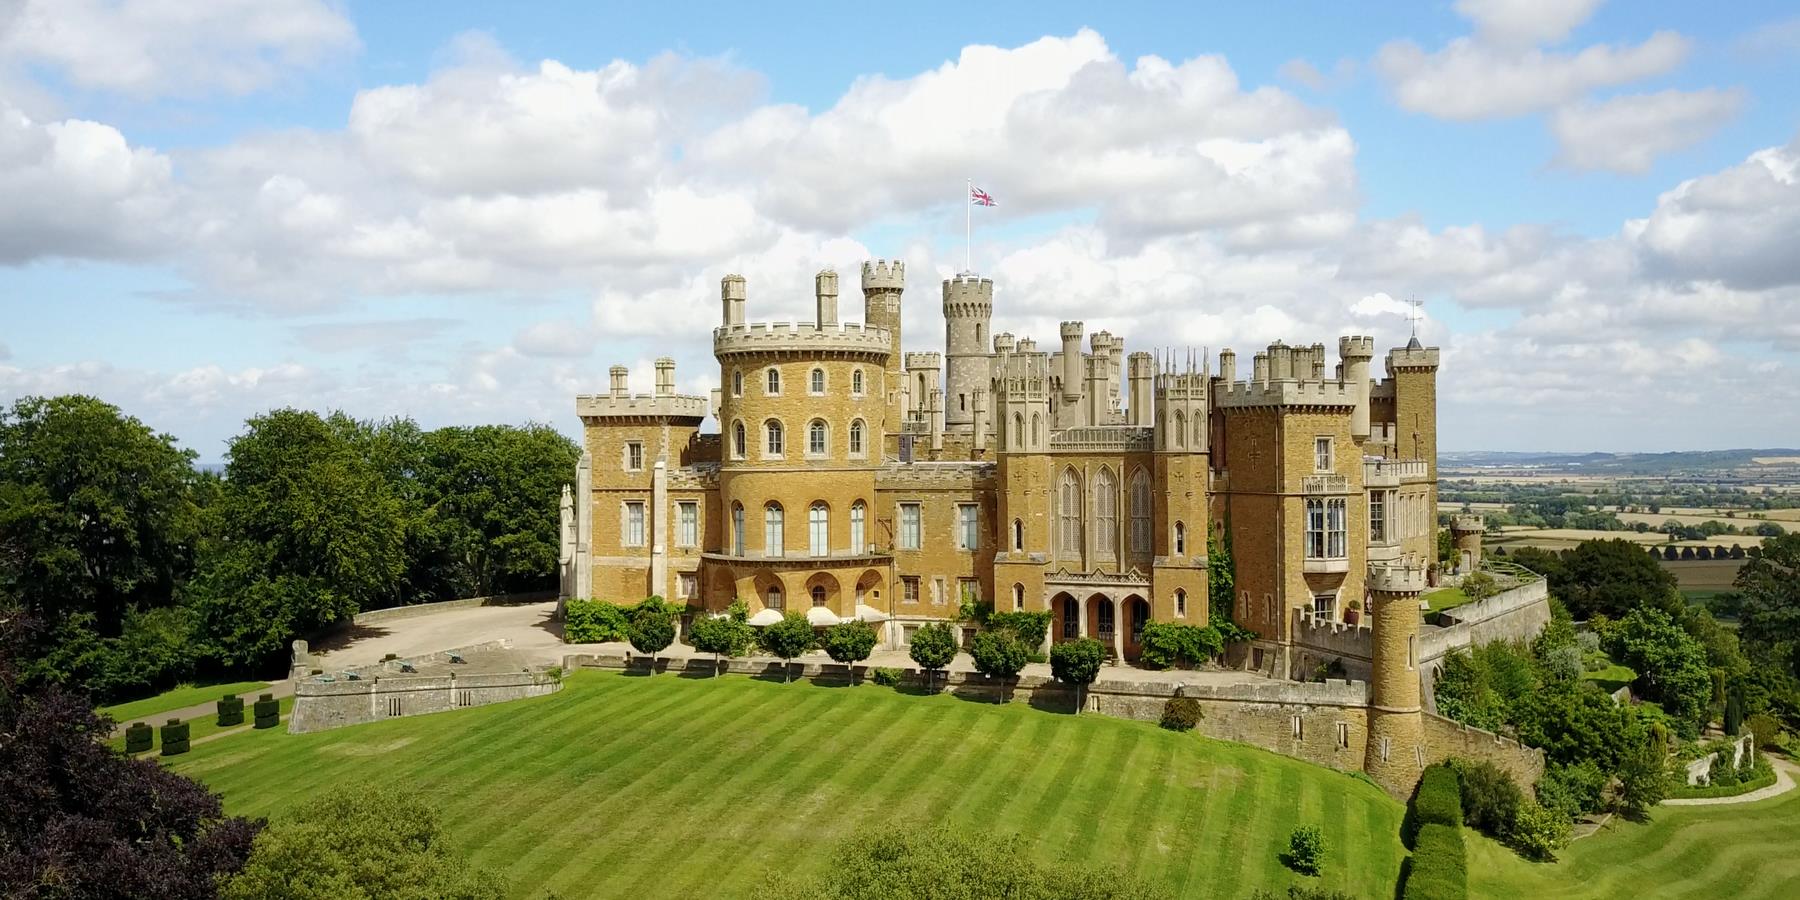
(848, 478)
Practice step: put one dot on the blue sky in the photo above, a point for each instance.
(465, 213)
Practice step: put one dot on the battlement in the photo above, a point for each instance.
(1413, 358)
(932, 360)
(669, 406)
(1127, 438)
(968, 295)
(1466, 524)
(883, 275)
(1356, 346)
(1004, 342)
(1404, 576)
(1071, 331)
(1238, 394)
(803, 337)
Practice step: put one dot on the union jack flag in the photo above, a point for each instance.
(979, 197)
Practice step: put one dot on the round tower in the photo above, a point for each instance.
(1354, 353)
(1466, 531)
(1395, 755)
(883, 281)
(968, 307)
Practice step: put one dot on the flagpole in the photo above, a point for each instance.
(969, 225)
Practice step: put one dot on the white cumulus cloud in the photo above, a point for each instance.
(1625, 134)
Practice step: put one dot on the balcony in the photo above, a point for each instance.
(1336, 566)
(1389, 473)
(1324, 484)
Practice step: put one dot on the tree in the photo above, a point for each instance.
(1305, 850)
(1768, 586)
(933, 648)
(651, 627)
(788, 638)
(1670, 665)
(726, 635)
(83, 820)
(98, 522)
(360, 842)
(1538, 831)
(1077, 663)
(1643, 779)
(999, 654)
(1613, 577)
(850, 642)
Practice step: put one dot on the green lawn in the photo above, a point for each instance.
(1612, 677)
(178, 698)
(667, 786)
(1737, 851)
(208, 724)
(1446, 598)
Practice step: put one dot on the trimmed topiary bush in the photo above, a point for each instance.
(1306, 850)
(1439, 801)
(1438, 869)
(174, 738)
(1181, 714)
(887, 676)
(138, 737)
(268, 711)
(231, 710)
(594, 622)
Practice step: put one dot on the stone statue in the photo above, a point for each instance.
(568, 526)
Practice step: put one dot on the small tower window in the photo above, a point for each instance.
(818, 381)
(1018, 431)
(737, 440)
(774, 383)
(856, 382)
(737, 383)
(1180, 539)
(1181, 603)
(1018, 598)
(1018, 534)
(815, 437)
(772, 526)
(856, 437)
(774, 437)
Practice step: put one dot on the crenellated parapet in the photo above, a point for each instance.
(1412, 358)
(1398, 577)
(800, 337)
(670, 406)
(924, 360)
(883, 275)
(1239, 394)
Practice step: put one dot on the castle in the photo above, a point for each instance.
(850, 479)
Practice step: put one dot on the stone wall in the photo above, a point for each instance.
(1702, 768)
(385, 691)
(1446, 738)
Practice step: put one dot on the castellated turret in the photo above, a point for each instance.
(825, 295)
(1143, 372)
(1181, 409)
(731, 296)
(1355, 351)
(883, 281)
(968, 307)
(1021, 391)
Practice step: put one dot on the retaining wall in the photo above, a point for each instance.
(426, 609)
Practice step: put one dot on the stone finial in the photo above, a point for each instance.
(619, 385)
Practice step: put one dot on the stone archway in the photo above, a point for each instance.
(1137, 615)
(1065, 622)
(821, 590)
(770, 593)
(869, 587)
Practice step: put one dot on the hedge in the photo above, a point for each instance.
(268, 711)
(1438, 870)
(138, 737)
(174, 738)
(231, 710)
(1439, 801)
(594, 622)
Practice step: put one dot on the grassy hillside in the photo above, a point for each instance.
(179, 698)
(666, 786)
(1741, 851)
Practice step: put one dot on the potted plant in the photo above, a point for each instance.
(1354, 613)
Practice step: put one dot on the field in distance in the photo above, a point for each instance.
(666, 786)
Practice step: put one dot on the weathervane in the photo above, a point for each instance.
(1414, 315)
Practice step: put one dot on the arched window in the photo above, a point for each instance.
(773, 427)
(1181, 603)
(737, 383)
(1069, 509)
(738, 442)
(1037, 430)
(774, 384)
(856, 382)
(856, 437)
(818, 595)
(818, 529)
(1106, 513)
(1018, 431)
(1180, 539)
(1179, 432)
(1140, 512)
(1018, 597)
(978, 335)
(815, 437)
(1018, 534)
(857, 512)
(919, 399)
(818, 381)
(775, 600)
(772, 530)
(737, 529)
(1199, 424)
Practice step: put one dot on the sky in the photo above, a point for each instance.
(465, 213)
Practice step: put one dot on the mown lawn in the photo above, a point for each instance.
(1738, 851)
(665, 786)
(1446, 598)
(177, 698)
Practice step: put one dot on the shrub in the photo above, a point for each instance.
(1722, 773)
(231, 710)
(933, 647)
(1077, 663)
(1490, 798)
(139, 737)
(593, 622)
(1181, 714)
(788, 638)
(174, 738)
(1539, 831)
(1305, 850)
(850, 642)
(887, 676)
(1479, 586)
(1764, 729)
(1169, 644)
(1029, 627)
(1643, 779)
(1439, 870)
(1572, 790)
(1439, 800)
(726, 635)
(268, 711)
(998, 654)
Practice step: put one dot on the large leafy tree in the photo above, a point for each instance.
(1769, 588)
(1670, 663)
(1613, 577)
(488, 496)
(81, 819)
(95, 513)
